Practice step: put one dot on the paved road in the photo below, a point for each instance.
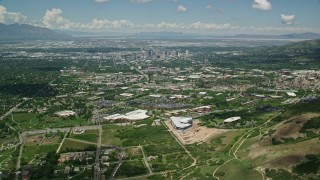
(142, 73)
(97, 172)
(22, 142)
(122, 154)
(23, 135)
(64, 138)
(116, 169)
(10, 111)
(186, 150)
(145, 159)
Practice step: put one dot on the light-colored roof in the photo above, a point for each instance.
(232, 119)
(179, 79)
(181, 122)
(136, 115)
(65, 113)
(202, 107)
(155, 95)
(133, 115)
(113, 117)
(126, 94)
(291, 94)
(194, 76)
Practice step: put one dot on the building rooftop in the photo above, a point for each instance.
(232, 119)
(65, 113)
(132, 116)
(181, 122)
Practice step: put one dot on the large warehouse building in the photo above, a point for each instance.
(130, 116)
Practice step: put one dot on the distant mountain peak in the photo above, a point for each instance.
(29, 32)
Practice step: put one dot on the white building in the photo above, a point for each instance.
(291, 94)
(130, 116)
(232, 119)
(65, 113)
(181, 123)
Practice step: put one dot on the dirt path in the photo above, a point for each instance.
(238, 144)
(186, 150)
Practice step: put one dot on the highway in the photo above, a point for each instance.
(10, 111)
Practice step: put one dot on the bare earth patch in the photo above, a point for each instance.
(284, 155)
(291, 129)
(195, 134)
(34, 139)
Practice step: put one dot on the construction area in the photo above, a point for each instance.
(195, 134)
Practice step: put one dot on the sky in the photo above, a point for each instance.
(189, 16)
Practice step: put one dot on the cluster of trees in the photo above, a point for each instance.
(46, 169)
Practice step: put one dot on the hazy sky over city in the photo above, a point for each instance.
(191, 16)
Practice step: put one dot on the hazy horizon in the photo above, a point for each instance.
(207, 17)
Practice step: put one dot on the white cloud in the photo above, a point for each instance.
(140, 1)
(181, 8)
(288, 19)
(264, 5)
(208, 26)
(209, 6)
(187, 26)
(101, 1)
(201, 27)
(12, 17)
(53, 19)
(107, 24)
(161, 26)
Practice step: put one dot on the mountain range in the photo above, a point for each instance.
(29, 32)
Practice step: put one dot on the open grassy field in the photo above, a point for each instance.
(57, 122)
(24, 117)
(25, 120)
(51, 140)
(155, 140)
(7, 139)
(88, 135)
(284, 144)
(35, 139)
(6, 159)
(108, 135)
(71, 145)
(30, 121)
(145, 135)
(32, 154)
(236, 169)
(131, 169)
(133, 153)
